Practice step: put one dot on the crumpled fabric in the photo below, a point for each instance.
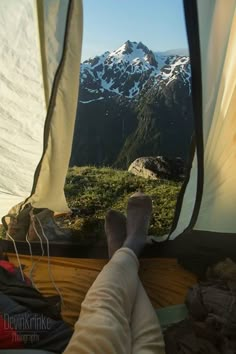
(31, 329)
(27, 318)
(24, 294)
(211, 326)
(185, 338)
(15, 271)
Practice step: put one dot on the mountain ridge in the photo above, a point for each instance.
(126, 70)
(133, 102)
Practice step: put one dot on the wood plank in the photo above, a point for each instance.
(165, 281)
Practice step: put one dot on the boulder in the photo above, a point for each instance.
(158, 167)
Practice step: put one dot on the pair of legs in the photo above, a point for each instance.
(116, 316)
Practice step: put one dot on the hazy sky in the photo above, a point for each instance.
(159, 24)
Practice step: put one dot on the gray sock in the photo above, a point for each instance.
(115, 229)
(139, 212)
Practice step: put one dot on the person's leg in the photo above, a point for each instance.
(115, 230)
(146, 332)
(139, 212)
(145, 328)
(104, 322)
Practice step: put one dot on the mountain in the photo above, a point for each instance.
(133, 102)
(177, 51)
(125, 71)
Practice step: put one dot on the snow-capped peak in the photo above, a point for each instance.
(133, 52)
(132, 48)
(126, 70)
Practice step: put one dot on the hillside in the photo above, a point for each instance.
(133, 102)
(92, 191)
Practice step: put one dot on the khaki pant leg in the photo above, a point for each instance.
(104, 323)
(145, 328)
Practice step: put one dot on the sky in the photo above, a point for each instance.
(159, 24)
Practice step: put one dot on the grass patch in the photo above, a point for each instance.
(2, 232)
(93, 191)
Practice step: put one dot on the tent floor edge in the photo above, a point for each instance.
(195, 250)
(85, 249)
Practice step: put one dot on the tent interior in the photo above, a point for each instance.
(47, 50)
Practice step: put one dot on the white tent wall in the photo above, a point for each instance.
(48, 191)
(33, 57)
(218, 53)
(188, 202)
(51, 20)
(22, 106)
(217, 34)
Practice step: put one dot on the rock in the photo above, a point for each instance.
(158, 167)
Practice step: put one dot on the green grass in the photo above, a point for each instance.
(2, 232)
(94, 191)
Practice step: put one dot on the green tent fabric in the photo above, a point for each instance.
(171, 314)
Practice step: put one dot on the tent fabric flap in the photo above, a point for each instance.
(51, 19)
(217, 38)
(39, 81)
(218, 47)
(48, 189)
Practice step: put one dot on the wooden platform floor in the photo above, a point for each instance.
(165, 281)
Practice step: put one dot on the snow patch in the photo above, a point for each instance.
(89, 101)
(114, 71)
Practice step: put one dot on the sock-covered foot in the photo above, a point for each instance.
(139, 212)
(115, 229)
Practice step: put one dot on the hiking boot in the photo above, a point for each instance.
(16, 222)
(43, 225)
